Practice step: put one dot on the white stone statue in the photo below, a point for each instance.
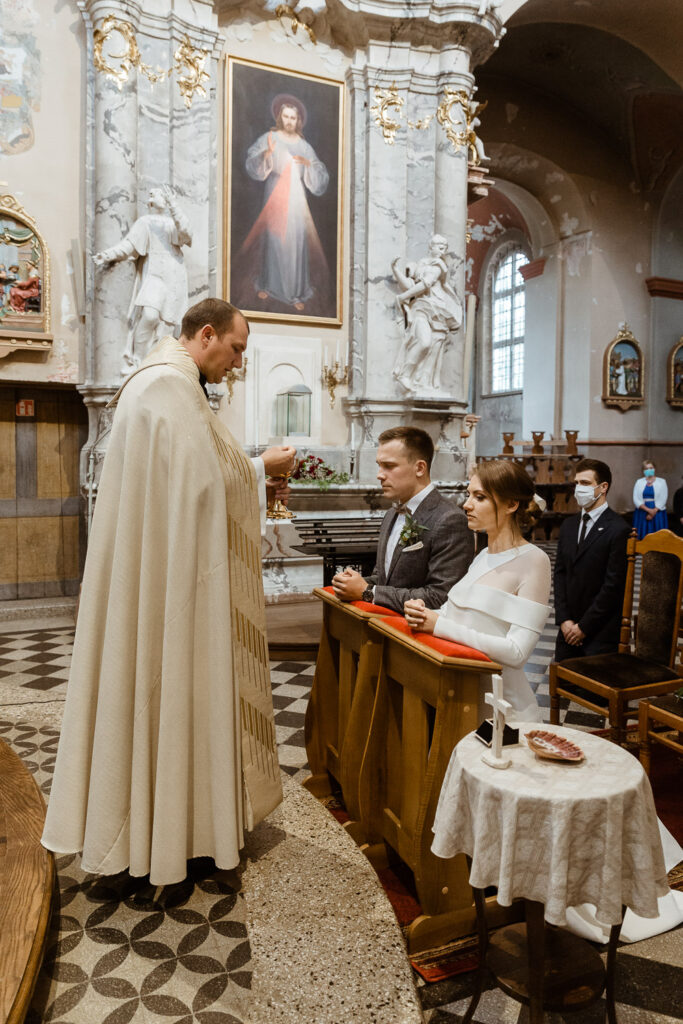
(474, 142)
(160, 293)
(432, 314)
(488, 5)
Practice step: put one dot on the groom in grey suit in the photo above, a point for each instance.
(424, 545)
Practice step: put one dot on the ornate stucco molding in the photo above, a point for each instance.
(188, 61)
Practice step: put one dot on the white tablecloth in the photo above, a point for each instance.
(561, 834)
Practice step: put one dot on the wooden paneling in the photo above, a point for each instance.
(71, 440)
(8, 551)
(8, 461)
(57, 446)
(39, 493)
(48, 548)
(48, 456)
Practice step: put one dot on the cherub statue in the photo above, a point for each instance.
(160, 293)
(475, 146)
(432, 313)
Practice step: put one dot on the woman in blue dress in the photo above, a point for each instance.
(650, 495)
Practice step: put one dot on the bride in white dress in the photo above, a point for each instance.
(500, 607)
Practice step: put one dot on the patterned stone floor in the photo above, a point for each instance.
(122, 950)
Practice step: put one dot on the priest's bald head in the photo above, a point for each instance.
(215, 334)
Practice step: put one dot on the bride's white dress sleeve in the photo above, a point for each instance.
(525, 610)
(514, 649)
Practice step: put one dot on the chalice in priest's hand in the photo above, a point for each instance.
(277, 509)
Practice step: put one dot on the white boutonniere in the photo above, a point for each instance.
(411, 532)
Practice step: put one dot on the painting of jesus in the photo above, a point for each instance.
(283, 228)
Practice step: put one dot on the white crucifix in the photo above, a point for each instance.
(500, 708)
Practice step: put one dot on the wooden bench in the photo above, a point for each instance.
(26, 881)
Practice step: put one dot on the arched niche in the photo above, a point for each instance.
(24, 282)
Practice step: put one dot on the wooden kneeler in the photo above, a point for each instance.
(425, 701)
(342, 697)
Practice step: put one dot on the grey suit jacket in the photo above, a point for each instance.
(430, 571)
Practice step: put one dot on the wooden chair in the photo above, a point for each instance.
(666, 712)
(608, 683)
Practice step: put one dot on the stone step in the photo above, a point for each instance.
(37, 608)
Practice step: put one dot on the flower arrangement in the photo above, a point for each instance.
(312, 469)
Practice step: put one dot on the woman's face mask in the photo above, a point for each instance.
(648, 472)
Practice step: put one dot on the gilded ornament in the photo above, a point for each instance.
(285, 11)
(333, 378)
(461, 132)
(130, 58)
(456, 131)
(190, 61)
(384, 100)
(422, 124)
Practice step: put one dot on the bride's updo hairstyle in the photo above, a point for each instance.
(504, 481)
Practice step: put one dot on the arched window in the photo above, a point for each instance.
(507, 316)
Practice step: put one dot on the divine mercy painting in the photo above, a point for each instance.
(283, 196)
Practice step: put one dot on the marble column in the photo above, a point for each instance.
(407, 185)
(140, 136)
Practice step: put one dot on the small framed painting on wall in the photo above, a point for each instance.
(674, 376)
(623, 384)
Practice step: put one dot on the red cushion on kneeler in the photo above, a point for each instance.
(365, 606)
(447, 647)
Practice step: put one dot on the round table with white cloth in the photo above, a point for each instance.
(558, 833)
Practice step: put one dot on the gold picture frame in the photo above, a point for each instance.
(24, 282)
(623, 374)
(674, 376)
(283, 194)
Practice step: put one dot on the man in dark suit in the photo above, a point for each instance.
(424, 545)
(590, 569)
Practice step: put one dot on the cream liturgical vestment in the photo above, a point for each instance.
(167, 749)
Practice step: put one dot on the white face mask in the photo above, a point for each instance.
(585, 495)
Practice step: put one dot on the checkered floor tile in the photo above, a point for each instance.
(35, 665)
(37, 660)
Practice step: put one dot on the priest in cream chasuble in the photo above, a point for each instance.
(167, 749)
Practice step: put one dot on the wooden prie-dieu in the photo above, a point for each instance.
(387, 708)
(340, 707)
